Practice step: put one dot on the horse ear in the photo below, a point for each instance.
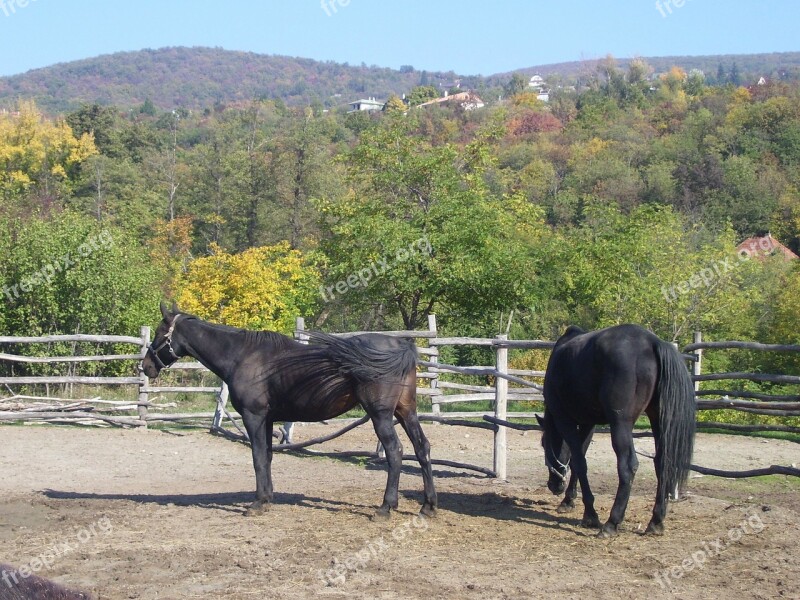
(175, 307)
(541, 421)
(164, 310)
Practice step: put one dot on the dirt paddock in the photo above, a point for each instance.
(153, 514)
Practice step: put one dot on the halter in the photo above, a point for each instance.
(553, 470)
(167, 343)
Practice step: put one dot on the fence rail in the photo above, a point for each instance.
(499, 385)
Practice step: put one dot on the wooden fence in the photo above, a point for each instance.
(435, 381)
(21, 407)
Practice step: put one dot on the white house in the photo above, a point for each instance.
(368, 104)
(536, 82)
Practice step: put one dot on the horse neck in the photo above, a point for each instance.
(218, 349)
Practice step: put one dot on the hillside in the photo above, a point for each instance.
(784, 65)
(201, 77)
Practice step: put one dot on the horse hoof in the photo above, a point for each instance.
(256, 509)
(654, 529)
(590, 522)
(382, 515)
(607, 531)
(428, 511)
(565, 507)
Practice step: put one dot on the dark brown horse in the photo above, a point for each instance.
(274, 378)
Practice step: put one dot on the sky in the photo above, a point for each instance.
(469, 37)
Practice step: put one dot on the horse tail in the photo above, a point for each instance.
(676, 403)
(370, 357)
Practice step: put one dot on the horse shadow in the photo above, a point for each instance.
(498, 507)
(233, 502)
(484, 505)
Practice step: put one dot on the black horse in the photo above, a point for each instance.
(610, 377)
(274, 378)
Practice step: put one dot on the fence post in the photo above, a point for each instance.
(501, 409)
(299, 327)
(144, 382)
(222, 401)
(697, 365)
(434, 383)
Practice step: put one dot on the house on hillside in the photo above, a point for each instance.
(537, 84)
(761, 246)
(467, 100)
(368, 104)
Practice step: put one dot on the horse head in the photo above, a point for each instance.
(165, 349)
(556, 454)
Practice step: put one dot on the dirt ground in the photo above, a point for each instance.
(153, 514)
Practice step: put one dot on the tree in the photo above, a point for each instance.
(260, 288)
(421, 94)
(419, 230)
(40, 159)
(69, 274)
(651, 268)
(148, 108)
(395, 104)
(516, 85)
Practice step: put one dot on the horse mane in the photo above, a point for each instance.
(251, 337)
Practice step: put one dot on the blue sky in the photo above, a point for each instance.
(467, 36)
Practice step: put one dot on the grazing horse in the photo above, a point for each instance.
(274, 378)
(610, 377)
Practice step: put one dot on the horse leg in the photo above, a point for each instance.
(568, 503)
(383, 422)
(259, 429)
(627, 463)
(656, 525)
(422, 449)
(578, 465)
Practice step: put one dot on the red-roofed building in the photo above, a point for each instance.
(765, 245)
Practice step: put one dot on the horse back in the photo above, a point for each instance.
(600, 376)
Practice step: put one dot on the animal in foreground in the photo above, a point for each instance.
(611, 377)
(22, 584)
(273, 378)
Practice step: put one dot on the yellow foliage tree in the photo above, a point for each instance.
(35, 151)
(170, 249)
(260, 288)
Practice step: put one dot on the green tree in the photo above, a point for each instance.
(420, 231)
(70, 274)
(516, 85)
(421, 94)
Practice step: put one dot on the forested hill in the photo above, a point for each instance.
(741, 67)
(202, 77)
